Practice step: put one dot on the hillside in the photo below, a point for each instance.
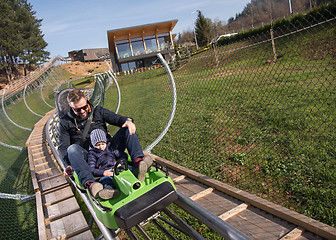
(74, 69)
(81, 69)
(255, 14)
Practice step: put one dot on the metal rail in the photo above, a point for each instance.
(110, 73)
(24, 99)
(251, 215)
(209, 219)
(43, 97)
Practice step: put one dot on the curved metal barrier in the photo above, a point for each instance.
(3, 108)
(43, 97)
(172, 113)
(34, 80)
(24, 99)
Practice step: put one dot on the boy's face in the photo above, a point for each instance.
(101, 146)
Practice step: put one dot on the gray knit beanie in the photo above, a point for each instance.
(97, 136)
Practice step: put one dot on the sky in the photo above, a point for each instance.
(81, 24)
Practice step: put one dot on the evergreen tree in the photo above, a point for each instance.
(7, 36)
(202, 30)
(21, 40)
(31, 37)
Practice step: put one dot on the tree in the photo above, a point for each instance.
(21, 40)
(202, 30)
(32, 37)
(217, 28)
(230, 20)
(185, 36)
(7, 36)
(255, 14)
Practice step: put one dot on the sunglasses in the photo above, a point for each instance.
(78, 110)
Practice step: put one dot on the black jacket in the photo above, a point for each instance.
(99, 160)
(71, 128)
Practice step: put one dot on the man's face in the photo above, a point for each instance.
(80, 108)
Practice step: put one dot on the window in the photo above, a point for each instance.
(137, 46)
(164, 41)
(131, 65)
(151, 45)
(124, 49)
(128, 66)
(124, 67)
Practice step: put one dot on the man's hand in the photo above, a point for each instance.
(109, 173)
(130, 125)
(68, 171)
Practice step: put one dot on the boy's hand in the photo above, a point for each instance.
(109, 173)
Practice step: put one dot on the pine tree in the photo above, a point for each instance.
(7, 36)
(202, 30)
(31, 37)
(21, 40)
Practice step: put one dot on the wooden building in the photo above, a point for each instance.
(136, 47)
(86, 55)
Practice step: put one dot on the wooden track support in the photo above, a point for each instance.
(58, 213)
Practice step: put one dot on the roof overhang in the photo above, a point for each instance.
(141, 30)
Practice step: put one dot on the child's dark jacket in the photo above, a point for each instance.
(99, 160)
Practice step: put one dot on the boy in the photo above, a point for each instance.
(101, 160)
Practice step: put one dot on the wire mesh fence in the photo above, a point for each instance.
(20, 101)
(17, 200)
(257, 112)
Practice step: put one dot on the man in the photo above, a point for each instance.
(73, 145)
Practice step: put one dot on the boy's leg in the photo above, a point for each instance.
(108, 192)
(106, 181)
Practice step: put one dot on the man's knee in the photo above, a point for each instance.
(124, 131)
(76, 154)
(120, 136)
(74, 148)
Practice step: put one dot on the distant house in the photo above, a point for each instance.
(136, 47)
(86, 55)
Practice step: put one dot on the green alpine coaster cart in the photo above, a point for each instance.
(137, 200)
